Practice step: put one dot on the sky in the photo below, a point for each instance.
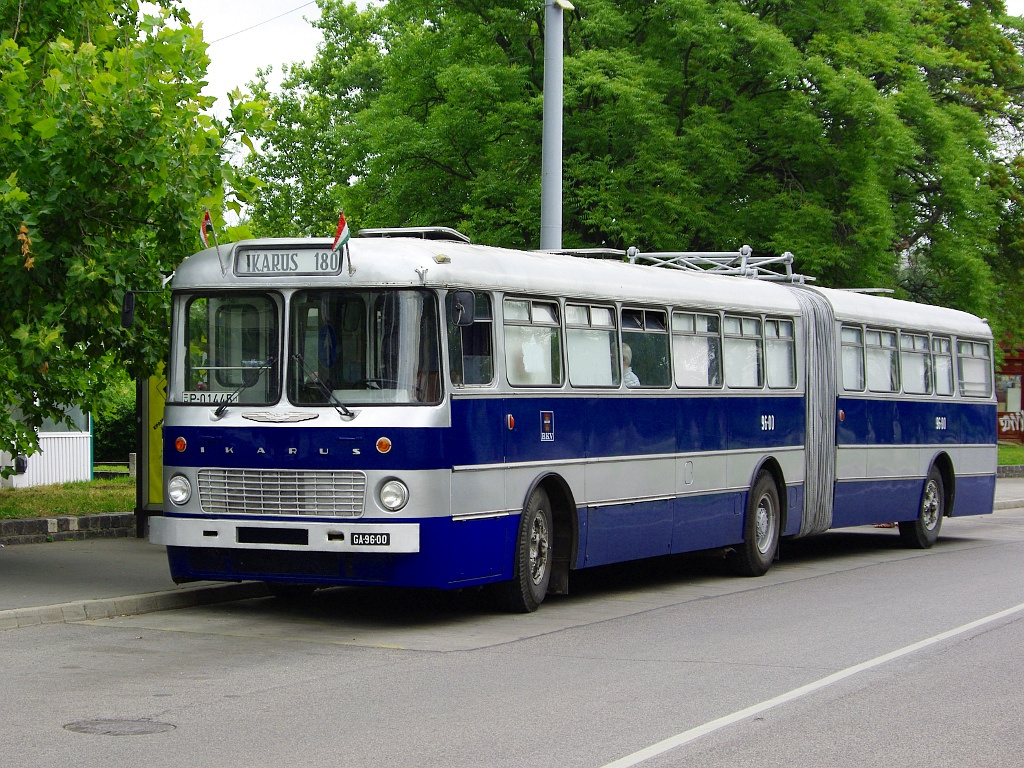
(246, 35)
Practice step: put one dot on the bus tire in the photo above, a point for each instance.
(761, 529)
(924, 531)
(531, 571)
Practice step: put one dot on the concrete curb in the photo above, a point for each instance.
(129, 605)
(36, 530)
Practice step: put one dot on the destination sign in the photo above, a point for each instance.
(265, 262)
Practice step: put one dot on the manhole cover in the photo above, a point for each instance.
(119, 727)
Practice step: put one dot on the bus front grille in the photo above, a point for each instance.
(277, 492)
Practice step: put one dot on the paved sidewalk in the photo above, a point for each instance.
(97, 578)
(93, 578)
(1009, 493)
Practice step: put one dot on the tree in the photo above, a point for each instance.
(106, 161)
(859, 134)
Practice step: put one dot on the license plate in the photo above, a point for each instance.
(371, 539)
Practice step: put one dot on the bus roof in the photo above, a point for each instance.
(850, 306)
(414, 262)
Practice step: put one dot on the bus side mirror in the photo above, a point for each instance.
(463, 308)
(128, 310)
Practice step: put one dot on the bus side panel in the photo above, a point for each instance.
(896, 442)
(478, 430)
(620, 532)
(974, 495)
(706, 522)
(477, 549)
(794, 509)
(915, 422)
(866, 502)
(977, 425)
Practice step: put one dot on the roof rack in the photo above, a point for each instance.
(425, 233)
(741, 263)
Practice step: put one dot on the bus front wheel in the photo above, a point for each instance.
(760, 529)
(532, 568)
(924, 531)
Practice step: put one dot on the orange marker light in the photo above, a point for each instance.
(383, 444)
(180, 444)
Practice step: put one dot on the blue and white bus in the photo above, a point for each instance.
(433, 413)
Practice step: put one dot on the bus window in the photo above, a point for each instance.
(590, 344)
(780, 353)
(697, 348)
(882, 361)
(226, 337)
(975, 367)
(364, 347)
(533, 354)
(646, 333)
(942, 355)
(915, 364)
(471, 347)
(744, 366)
(853, 358)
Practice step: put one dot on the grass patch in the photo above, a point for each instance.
(86, 498)
(1011, 453)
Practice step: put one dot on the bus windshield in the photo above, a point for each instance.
(364, 347)
(231, 351)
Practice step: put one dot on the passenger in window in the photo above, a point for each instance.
(627, 371)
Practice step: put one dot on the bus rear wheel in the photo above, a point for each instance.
(761, 529)
(924, 531)
(532, 568)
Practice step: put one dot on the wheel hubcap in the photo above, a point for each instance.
(764, 524)
(539, 549)
(930, 506)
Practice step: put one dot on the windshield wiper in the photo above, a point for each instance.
(314, 379)
(249, 378)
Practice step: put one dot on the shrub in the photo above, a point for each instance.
(113, 428)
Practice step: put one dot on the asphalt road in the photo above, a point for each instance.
(851, 652)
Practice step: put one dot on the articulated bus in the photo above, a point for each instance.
(432, 413)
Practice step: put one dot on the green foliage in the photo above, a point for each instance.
(859, 134)
(106, 161)
(113, 422)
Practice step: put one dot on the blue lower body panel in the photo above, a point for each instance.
(453, 554)
(869, 502)
(876, 501)
(974, 495)
(617, 533)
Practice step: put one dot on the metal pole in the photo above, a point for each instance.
(551, 150)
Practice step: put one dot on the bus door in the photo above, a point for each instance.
(476, 442)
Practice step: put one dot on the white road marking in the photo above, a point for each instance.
(703, 730)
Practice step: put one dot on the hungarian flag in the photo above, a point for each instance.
(205, 229)
(342, 234)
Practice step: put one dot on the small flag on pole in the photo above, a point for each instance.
(342, 234)
(206, 228)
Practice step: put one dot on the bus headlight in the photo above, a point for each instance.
(179, 489)
(394, 495)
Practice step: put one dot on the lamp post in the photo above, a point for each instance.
(551, 149)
